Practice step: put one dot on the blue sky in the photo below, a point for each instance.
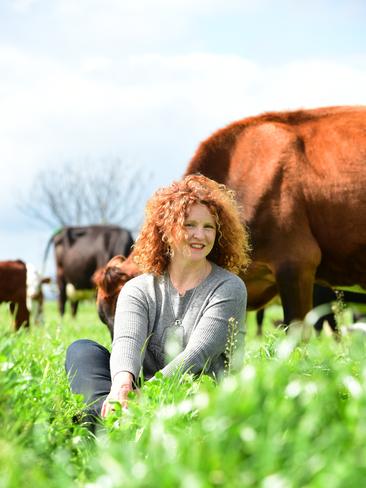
(147, 81)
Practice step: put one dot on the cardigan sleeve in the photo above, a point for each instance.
(130, 331)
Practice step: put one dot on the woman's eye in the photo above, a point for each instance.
(188, 225)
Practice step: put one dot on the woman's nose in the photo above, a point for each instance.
(198, 232)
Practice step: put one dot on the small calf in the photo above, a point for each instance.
(109, 281)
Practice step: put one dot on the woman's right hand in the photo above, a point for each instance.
(121, 386)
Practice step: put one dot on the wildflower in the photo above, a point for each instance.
(231, 345)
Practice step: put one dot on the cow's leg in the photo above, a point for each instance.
(12, 308)
(74, 307)
(62, 295)
(295, 286)
(259, 293)
(260, 318)
(22, 315)
(321, 296)
(39, 308)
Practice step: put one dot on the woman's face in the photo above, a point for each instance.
(200, 229)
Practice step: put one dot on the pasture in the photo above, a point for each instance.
(293, 415)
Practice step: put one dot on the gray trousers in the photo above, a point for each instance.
(87, 367)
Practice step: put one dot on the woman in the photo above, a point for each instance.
(175, 315)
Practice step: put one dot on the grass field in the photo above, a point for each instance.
(293, 415)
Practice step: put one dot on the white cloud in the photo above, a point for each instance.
(148, 8)
(313, 83)
(99, 106)
(23, 6)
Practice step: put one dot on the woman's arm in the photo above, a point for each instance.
(130, 333)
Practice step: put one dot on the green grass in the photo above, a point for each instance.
(293, 415)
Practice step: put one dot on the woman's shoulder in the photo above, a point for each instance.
(142, 282)
(226, 276)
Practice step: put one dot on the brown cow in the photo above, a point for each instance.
(300, 178)
(109, 281)
(13, 289)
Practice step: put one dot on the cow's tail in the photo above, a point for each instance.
(45, 256)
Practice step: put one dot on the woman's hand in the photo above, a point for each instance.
(121, 386)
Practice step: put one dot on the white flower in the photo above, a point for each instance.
(5, 366)
(286, 346)
(293, 389)
(311, 388)
(275, 481)
(353, 386)
(185, 406)
(139, 470)
(247, 434)
(201, 401)
(248, 373)
(230, 384)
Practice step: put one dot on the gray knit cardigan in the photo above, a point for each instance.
(157, 329)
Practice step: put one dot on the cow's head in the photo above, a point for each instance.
(109, 281)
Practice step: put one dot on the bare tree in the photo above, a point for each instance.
(88, 193)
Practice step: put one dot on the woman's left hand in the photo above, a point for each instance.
(122, 385)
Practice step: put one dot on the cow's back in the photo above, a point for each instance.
(120, 244)
(300, 178)
(83, 250)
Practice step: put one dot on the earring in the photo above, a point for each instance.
(169, 251)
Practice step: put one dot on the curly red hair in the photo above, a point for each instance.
(165, 214)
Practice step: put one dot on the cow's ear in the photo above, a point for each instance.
(116, 261)
(98, 277)
(109, 279)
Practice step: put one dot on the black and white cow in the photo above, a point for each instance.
(79, 252)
